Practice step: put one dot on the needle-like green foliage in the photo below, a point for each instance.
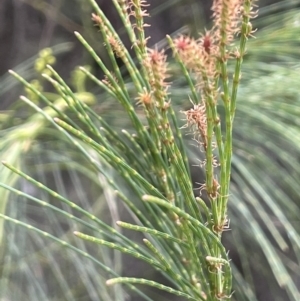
(146, 170)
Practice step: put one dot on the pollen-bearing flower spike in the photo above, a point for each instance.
(227, 18)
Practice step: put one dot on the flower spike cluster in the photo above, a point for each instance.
(226, 19)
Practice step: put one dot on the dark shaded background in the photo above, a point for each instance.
(27, 26)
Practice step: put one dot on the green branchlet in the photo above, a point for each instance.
(185, 229)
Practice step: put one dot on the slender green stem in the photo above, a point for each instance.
(69, 246)
(150, 231)
(119, 248)
(150, 283)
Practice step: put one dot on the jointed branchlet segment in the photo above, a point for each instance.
(185, 231)
(207, 59)
(226, 20)
(139, 12)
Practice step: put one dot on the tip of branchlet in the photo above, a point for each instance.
(109, 282)
(45, 75)
(96, 18)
